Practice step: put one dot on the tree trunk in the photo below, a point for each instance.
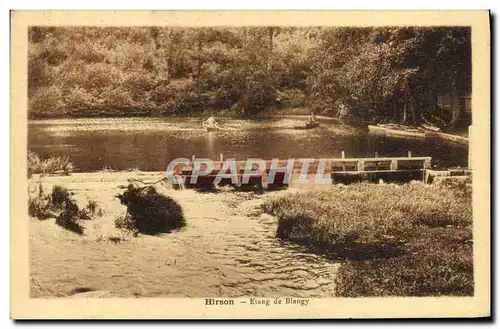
(198, 68)
(394, 110)
(405, 107)
(270, 41)
(200, 46)
(162, 60)
(454, 108)
(169, 58)
(413, 111)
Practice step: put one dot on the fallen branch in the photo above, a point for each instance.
(131, 180)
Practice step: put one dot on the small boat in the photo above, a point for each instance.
(311, 125)
(307, 125)
(430, 127)
(211, 128)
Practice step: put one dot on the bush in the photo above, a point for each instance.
(77, 99)
(57, 164)
(46, 102)
(40, 204)
(91, 210)
(59, 204)
(60, 196)
(125, 222)
(43, 206)
(69, 217)
(291, 97)
(150, 212)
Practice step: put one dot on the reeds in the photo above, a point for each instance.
(52, 165)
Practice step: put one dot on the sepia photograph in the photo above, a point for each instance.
(249, 168)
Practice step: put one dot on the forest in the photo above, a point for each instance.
(376, 74)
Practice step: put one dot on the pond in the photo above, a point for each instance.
(228, 241)
(149, 144)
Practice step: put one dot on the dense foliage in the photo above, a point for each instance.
(390, 74)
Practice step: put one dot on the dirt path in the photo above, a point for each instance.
(228, 248)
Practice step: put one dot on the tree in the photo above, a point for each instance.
(374, 71)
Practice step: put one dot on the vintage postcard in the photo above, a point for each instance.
(250, 164)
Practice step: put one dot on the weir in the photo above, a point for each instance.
(339, 170)
(388, 169)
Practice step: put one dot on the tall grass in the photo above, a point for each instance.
(412, 239)
(51, 165)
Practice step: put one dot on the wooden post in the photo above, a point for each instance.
(409, 154)
(343, 155)
(427, 163)
(394, 164)
(427, 166)
(343, 163)
(376, 154)
(193, 158)
(361, 165)
(221, 157)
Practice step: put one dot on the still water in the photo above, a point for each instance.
(149, 144)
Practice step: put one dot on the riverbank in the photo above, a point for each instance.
(268, 113)
(401, 131)
(227, 241)
(394, 240)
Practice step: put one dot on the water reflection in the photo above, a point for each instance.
(151, 143)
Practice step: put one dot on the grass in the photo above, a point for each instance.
(397, 240)
(52, 165)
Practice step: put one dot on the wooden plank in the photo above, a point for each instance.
(381, 159)
(373, 172)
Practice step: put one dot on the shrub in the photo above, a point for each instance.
(59, 204)
(125, 222)
(78, 99)
(150, 212)
(69, 217)
(40, 204)
(291, 97)
(92, 209)
(47, 101)
(60, 195)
